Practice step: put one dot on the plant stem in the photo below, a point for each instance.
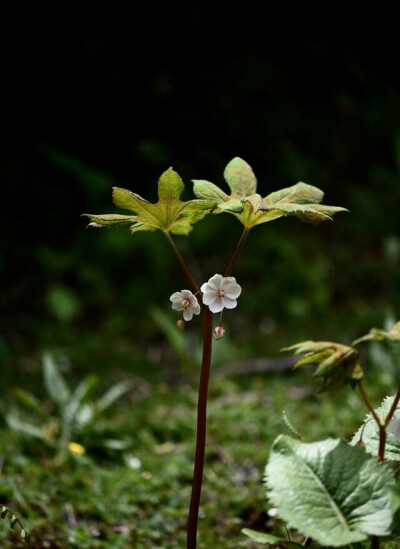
(183, 263)
(201, 430)
(368, 403)
(374, 542)
(236, 253)
(392, 409)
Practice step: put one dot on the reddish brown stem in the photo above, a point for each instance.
(236, 253)
(183, 264)
(392, 409)
(201, 431)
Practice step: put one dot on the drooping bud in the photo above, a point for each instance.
(219, 332)
(180, 324)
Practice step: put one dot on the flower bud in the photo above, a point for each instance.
(180, 324)
(219, 332)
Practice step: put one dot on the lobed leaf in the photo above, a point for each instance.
(300, 200)
(337, 364)
(169, 214)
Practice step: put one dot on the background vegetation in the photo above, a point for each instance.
(109, 98)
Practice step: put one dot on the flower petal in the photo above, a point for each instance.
(215, 281)
(188, 314)
(187, 293)
(233, 291)
(209, 296)
(217, 305)
(177, 296)
(177, 306)
(196, 308)
(229, 303)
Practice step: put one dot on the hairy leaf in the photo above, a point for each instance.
(300, 200)
(169, 214)
(368, 433)
(392, 335)
(329, 490)
(337, 364)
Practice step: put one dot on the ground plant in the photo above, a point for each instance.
(174, 217)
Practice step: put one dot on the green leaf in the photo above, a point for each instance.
(301, 193)
(169, 214)
(240, 178)
(74, 403)
(54, 382)
(268, 539)
(329, 490)
(337, 364)
(25, 428)
(114, 393)
(369, 433)
(208, 191)
(108, 220)
(300, 200)
(392, 335)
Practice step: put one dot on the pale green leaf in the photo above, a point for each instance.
(331, 491)
(240, 178)
(268, 539)
(169, 214)
(25, 428)
(369, 433)
(208, 191)
(375, 334)
(54, 382)
(107, 220)
(114, 393)
(301, 193)
(337, 364)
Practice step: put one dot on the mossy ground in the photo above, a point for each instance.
(139, 497)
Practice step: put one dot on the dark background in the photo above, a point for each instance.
(98, 97)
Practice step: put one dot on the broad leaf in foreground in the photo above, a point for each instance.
(375, 334)
(368, 433)
(337, 364)
(268, 539)
(300, 200)
(331, 491)
(169, 214)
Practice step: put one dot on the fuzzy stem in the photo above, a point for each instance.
(183, 264)
(201, 431)
(236, 253)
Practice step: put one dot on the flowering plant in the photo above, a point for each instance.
(175, 217)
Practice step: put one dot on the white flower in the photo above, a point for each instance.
(221, 291)
(394, 425)
(185, 301)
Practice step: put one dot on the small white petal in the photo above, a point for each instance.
(209, 297)
(233, 291)
(177, 306)
(229, 303)
(177, 296)
(215, 281)
(196, 308)
(188, 314)
(187, 293)
(217, 305)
